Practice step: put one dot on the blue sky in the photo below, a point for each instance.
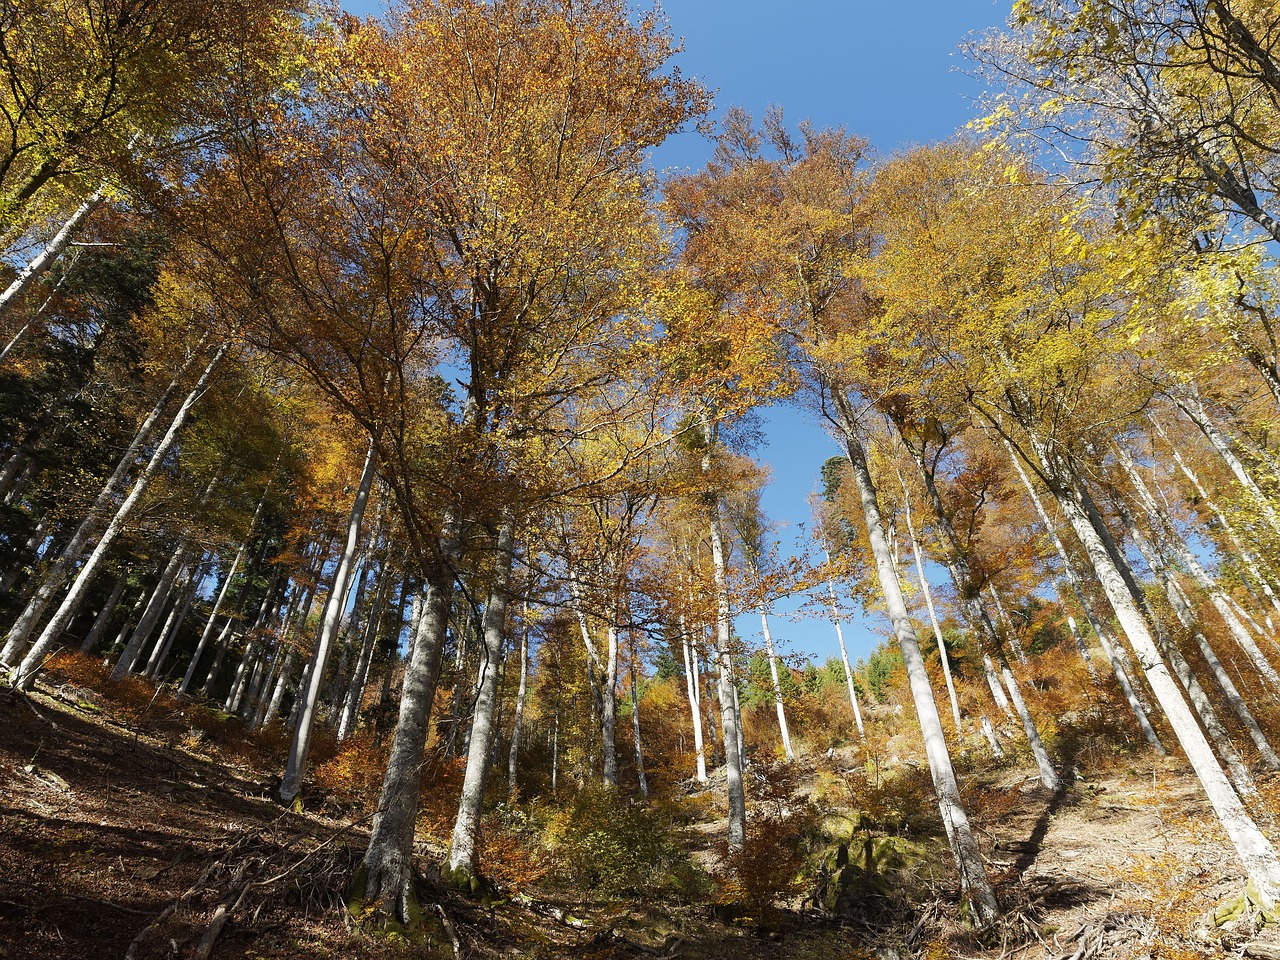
(889, 72)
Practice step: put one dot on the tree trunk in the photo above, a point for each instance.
(1255, 851)
(928, 602)
(463, 853)
(360, 676)
(777, 684)
(1161, 524)
(385, 878)
(52, 250)
(729, 719)
(513, 758)
(94, 636)
(1104, 641)
(296, 766)
(1190, 404)
(150, 614)
(22, 629)
(954, 818)
(635, 727)
(966, 584)
(53, 631)
(1250, 562)
(1186, 616)
(844, 656)
(695, 706)
(173, 625)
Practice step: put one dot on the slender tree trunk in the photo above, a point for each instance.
(729, 718)
(990, 732)
(172, 626)
(928, 602)
(609, 714)
(94, 636)
(211, 623)
(464, 861)
(360, 676)
(1250, 562)
(1182, 669)
(1161, 524)
(277, 694)
(844, 656)
(1009, 630)
(1104, 640)
(995, 685)
(296, 766)
(635, 726)
(22, 629)
(954, 818)
(777, 684)
(513, 758)
(966, 584)
(695, 707)
(57, 625)
(1190, 404)
(151, 614)
(1255, 851)
(51, 251)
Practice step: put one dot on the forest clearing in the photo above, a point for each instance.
(391, 557)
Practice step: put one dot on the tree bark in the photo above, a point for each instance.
(22, 629)
(1255, 851)
(463, 853)
(513, 758)
(729, 719)
(777, 684)
(954, 818)
(34, 661)
(296, 766)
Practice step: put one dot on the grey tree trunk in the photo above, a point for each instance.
(51, 251)
(150, 614)
(386, 875)
(973, 876)
(966, 584)
(57, 625)
(928, 602)
(60, 570)
(173, 625)
(1182, 669)
(844, 655)
(360, 675)
(1191, 405)
(513, 758)
(729, 719)
(1247, 557)
(1255, 851)
(463, 853)
(695, 706)
(296, 766)
(635, 727)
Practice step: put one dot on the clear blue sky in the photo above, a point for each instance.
(889, 72)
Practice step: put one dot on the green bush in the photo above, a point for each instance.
(605, 846)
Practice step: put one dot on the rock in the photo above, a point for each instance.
(47, 776)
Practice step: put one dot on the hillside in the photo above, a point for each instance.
(126, 831)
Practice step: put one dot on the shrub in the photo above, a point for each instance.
(602, 844)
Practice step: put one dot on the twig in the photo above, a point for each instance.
(449, 929)
(132, 952)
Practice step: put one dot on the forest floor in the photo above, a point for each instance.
(123, 835)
